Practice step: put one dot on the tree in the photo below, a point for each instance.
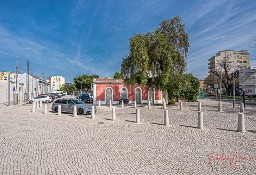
(84, 82)
(158, 59)
(118, 75)
(190, 87)
(224, 73)
(68, 88)
(211, 79)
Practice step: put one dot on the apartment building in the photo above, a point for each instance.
(56, 82)
(4, 76)
(233, 60)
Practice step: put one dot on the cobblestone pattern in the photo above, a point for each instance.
(35, 143)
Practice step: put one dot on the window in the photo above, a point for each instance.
(64, 101)
(244, 61)
(58, 101)
(78, 102)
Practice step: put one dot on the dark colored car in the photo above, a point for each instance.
(125, 101)
(85, 98)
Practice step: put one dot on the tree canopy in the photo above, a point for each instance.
(118, 75)
(68, 88)
(84, 82)
(158, 58)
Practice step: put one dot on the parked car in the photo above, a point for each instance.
(52, 97)
(56, 95)
(43, 98)
(125, 101)
(67, 105)
(85, 98)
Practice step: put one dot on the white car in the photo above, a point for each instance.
(43, 98)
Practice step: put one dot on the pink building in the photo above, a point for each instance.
(115, 89)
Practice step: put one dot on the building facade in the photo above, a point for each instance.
(234, 60)
(56, 82)
(4, 76)
(105, 90)
(27, 86)
(247, 81)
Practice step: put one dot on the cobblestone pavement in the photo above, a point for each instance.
(37, 143)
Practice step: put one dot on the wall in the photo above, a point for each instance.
(101, 88)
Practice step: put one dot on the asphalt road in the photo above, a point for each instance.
(238, 101)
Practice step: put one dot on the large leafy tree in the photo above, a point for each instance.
(68, 88)
(190, 87)
(84, 82)
(158, 58)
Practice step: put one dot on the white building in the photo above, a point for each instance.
(247, 81)
(233, 60)
(35, 87)
(56, 82)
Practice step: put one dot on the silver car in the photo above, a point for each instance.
(67, 105)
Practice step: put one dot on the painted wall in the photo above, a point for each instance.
(117, 87)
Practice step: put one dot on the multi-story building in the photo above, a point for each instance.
(4, 76)
(27, 87)
(232, 60)
(56, 82)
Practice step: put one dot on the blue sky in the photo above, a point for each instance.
(76, 37)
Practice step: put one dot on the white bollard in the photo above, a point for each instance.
(34, 106)
(137, 115)
(181, 105)
(113, 114)
(242, 107)
(200, 120)
(59, 109)
(45, 109)
(122, 103)
(99, 102)
(41, 103)
(135, 104)
(166, 118)
(37, 104)
(220, 107)
(199, 106)
(241, 124)
(75, 111)
(110, 103)
(149, 104)
(93, 113)
(164, 104)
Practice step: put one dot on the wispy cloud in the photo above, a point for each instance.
(203, 8)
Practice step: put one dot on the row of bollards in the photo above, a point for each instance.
(37, 104)
(241, 124)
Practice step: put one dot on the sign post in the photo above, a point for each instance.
(216, 89)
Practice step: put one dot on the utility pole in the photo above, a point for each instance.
(9, 89)
(28, 80)
(32, 93)
(16, 87)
